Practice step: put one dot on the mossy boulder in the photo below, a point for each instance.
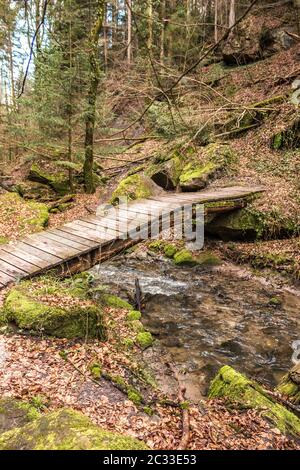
(55, 309)
(59, 183)
(15, 413)
(251, 224)
(243, 392)
(144, 339)
(290, 385)
(66, 430)
(203, 167)
(116, 302)
(167, 173)
(135, 187)
(240, 224)
(20, 217)
(185, 257)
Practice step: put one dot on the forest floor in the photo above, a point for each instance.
(33, 369)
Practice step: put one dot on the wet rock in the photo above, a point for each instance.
(66, 430)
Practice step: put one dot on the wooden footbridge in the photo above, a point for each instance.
(79, 245)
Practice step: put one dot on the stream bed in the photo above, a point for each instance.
(208, 317)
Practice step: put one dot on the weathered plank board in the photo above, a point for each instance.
(78, 245)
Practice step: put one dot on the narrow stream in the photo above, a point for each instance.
(208, 317)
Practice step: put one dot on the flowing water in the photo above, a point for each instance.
(210, 317)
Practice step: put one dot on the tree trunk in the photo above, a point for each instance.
(92, 98)
(129, 31)
(216, 20)
(232, 17)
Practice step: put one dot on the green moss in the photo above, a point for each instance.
(116, 302)
(96, 371)
(42, 214)
(148, 410)
(184, 258)
(197, 171)
(144, 339)
(243, 392)
(277, 141)
(59, 183)
(4, 240)
(74, 321)
(208, 259)
(137, 326)
(275, 301)
(290, 385)
(134, 187)
(134, 396)
(134, 315)
(170, 250)
(15, 413)
(156, 246)
(128, 343)
(66, 430)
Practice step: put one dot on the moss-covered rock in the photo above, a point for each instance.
(57, 310)
(204, 166)
(246, 393)
(167, 173)
(240, 224)
(290, 385)
(144, 339)
(187, 258)
(66, 430)
(251, 224)
(15, 413)
(134, 315)
(116, 302)
(135, 187)
(20, 217)
(184, 258)
(59, 183)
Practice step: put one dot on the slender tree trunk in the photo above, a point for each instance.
(216, 19)
(11, 70)
(163, 32)
(297, 6)
(232, 17)
(150, 25)
(129, 31)
(92, 98)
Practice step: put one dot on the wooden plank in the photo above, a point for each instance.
(85, 235)
(71, 236)
(13, 271)
(100, 227)
(15, 261)
(24, 252)
(6, 278)
(38, 250)
(65, 241)
(52, 247)
(97, 235)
